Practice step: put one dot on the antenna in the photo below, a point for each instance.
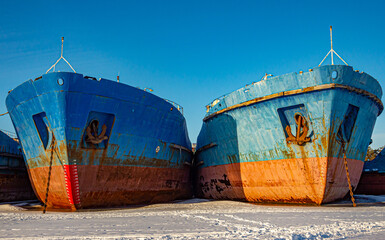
(61, 57)
(332, 50)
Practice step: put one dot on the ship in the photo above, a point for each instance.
(94, 143)
(295, 138)
(14, 181)
(372, 181)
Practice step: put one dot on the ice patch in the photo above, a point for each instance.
(199, 219)
(10, 208)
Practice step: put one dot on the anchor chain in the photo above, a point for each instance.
(347, 175)
(49, 176)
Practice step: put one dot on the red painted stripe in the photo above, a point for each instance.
(67, 179)
(75, 184)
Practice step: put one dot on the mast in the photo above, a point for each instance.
(61, 57)
(331, 43)
(332, 50)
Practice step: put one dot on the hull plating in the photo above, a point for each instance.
(14, 182)
(373, 177)
(80, 186)
(107, 143)
(371, 183)
(15, 185)
(309, 181)
(283, 139)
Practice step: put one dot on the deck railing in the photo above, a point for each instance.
(177, 106)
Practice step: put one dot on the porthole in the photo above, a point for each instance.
(334, 74)
(60, 81)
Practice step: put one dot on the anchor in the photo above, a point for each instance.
(92, 133)
(302, 130)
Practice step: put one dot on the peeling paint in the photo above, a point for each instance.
(270, 156)
(105, 142)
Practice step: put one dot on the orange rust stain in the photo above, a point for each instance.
(57, 195)
(290, 180)
(300, 180)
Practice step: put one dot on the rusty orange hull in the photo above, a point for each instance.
(308, 181)
(75, 187)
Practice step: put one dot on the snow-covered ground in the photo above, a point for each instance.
(201, 219)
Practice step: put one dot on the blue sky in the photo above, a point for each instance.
(190, 52)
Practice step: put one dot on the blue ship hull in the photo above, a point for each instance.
(285, 138)
(95, 143)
